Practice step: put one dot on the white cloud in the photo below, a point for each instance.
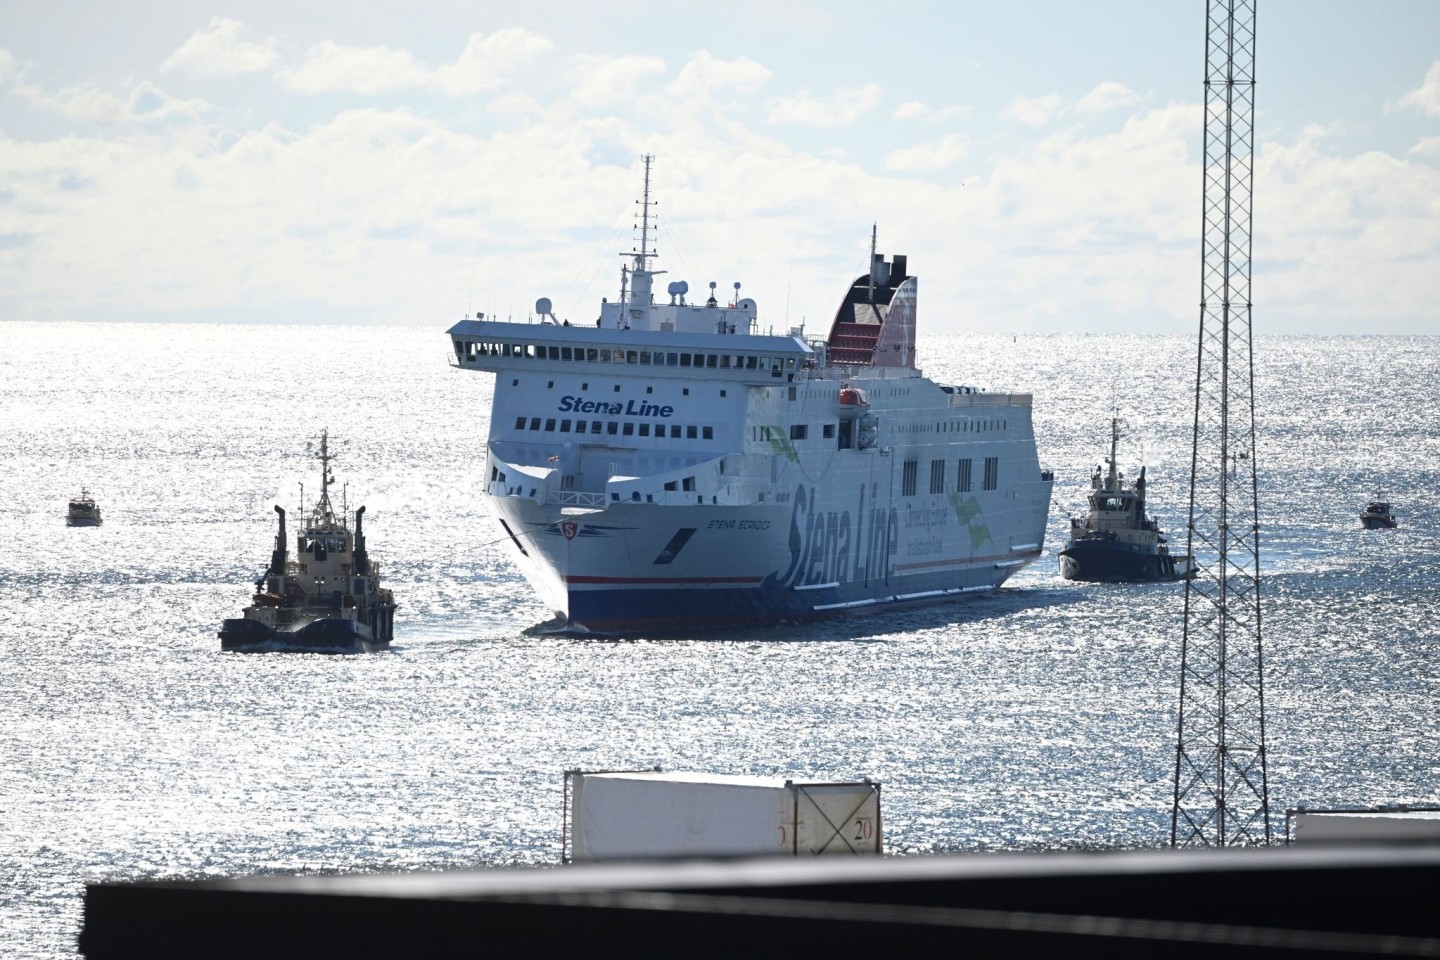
(489, 61)
(1425, 98)
(1428, 147)
(705, 74)
(916, 110)
(926, 157)
(1108, 96)
(1033, 112)
(9, 66)
(486, 62)
(87, 103)
(221, 50)
(847, 105)
(331, 68)
(603, 81)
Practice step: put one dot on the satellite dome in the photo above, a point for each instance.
(543, 306)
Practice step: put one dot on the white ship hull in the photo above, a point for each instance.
(834, 531)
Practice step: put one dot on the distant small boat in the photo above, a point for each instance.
(83, 511)
(1377, 516)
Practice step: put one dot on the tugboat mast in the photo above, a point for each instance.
(323, 510)
(1112, 480)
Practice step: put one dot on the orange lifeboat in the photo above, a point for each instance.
(852, 402)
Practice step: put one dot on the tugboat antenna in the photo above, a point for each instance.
(326, 477)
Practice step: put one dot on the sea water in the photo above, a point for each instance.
(1039, 717)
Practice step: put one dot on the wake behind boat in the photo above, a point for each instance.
(328, 599)
(1117, 541)
(677, 465)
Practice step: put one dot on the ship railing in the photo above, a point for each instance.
(576, 498)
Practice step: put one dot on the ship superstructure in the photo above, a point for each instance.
(678, 465)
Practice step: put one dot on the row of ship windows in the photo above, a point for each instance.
(955, 426)
(910, 475)
(623, 428)
(798, 431)
(710, 361)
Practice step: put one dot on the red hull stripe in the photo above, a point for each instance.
(967, 560)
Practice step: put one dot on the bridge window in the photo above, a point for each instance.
(613, 427)
(564, 426)
(520, 423)
(629, 429)
(579, 426)
(594, 426)
(708, 433)
(644, 429)
(550, 425)
(674, 431)
(566, 353)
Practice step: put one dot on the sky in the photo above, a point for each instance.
(1038, 162)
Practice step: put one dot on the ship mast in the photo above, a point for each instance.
(873, 228)
(1112, 480)
(323, 510)
(638, 312)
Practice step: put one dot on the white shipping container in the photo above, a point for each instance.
(642, 814)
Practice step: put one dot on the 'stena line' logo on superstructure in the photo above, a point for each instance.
(628, 408)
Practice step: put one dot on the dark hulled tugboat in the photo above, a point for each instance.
(1117, 542)
(83, 511)
(1377, 516)
(328, 599)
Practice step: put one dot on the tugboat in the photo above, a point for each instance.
(328, 599)
(1377, 516)
(83, 511)
(1117, 542)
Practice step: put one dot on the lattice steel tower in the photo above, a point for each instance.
(1221, 793)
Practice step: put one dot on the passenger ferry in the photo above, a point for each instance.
(679, 465)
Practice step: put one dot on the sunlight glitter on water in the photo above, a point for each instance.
(1037, 717)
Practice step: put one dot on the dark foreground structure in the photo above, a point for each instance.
(1317, 902)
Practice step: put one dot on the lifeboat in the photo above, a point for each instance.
(853, 403)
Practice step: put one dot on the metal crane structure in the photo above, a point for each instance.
(1221, 790)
